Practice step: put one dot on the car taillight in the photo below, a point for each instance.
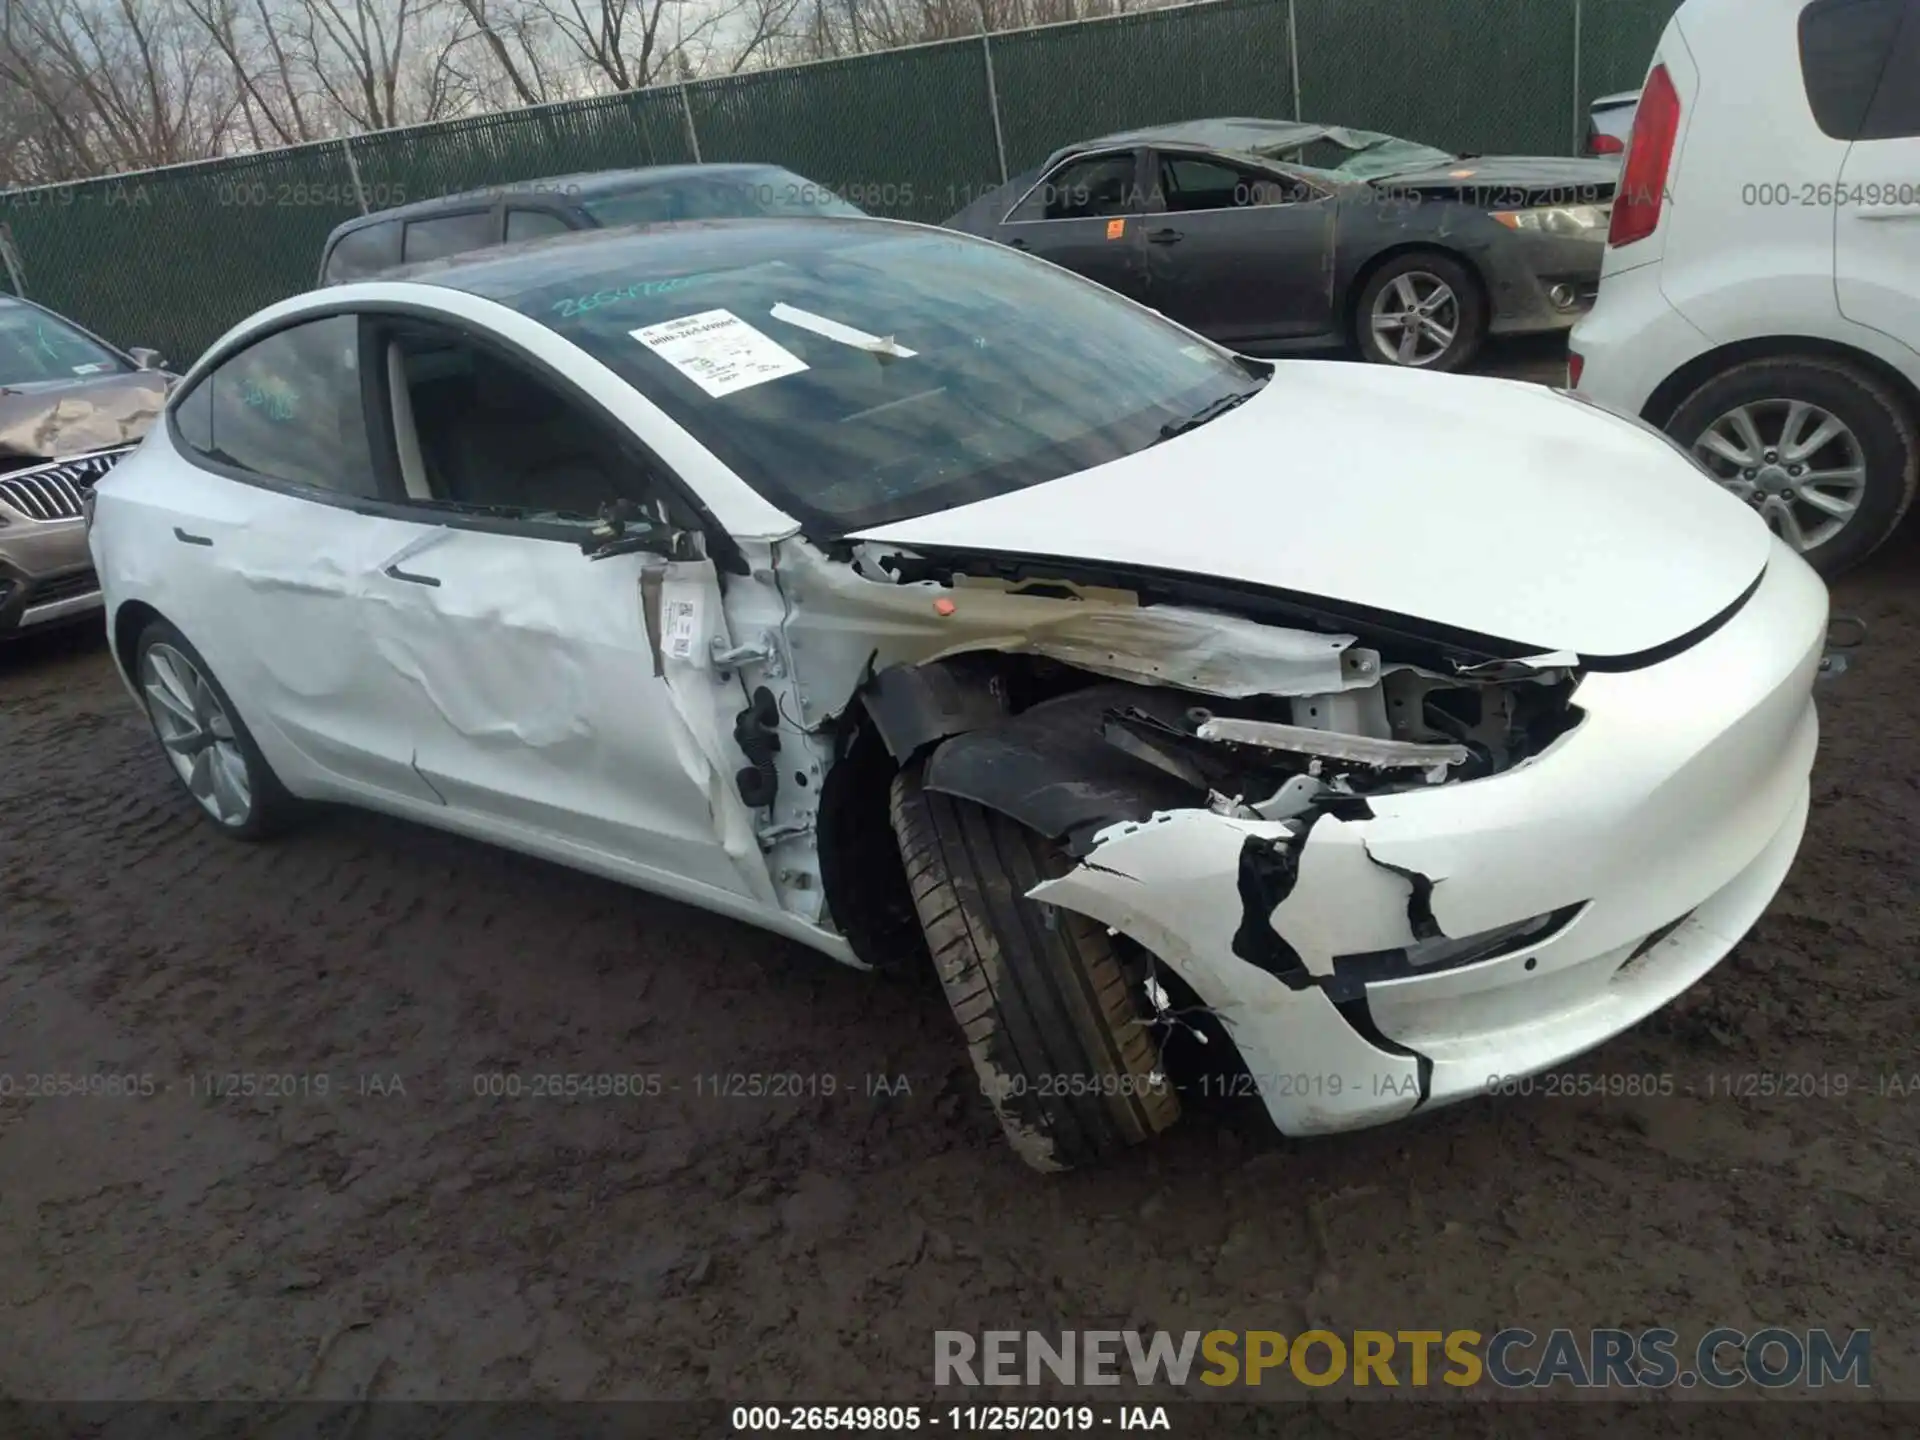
(1643, 179)
(1576, 362)
(1605, 145)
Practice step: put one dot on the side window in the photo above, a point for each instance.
(1845, 49)
(448, 235)
(288, 408)
(475, 429)
(1895, 114)
(531, 224)
(365, 251)
(1192, 183)
(1084, 189)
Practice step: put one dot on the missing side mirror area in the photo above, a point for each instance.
(628, 526)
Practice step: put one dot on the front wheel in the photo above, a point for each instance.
(1822, 451)
(1055, 1019)
(1421, 310)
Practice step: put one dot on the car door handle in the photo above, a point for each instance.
(1019, 245)
(396, 573)
(1164, 237)
(185, 539)
(1890, 212)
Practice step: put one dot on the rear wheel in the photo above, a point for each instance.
(1056, 1021)
(1822, 451)
(201, 734)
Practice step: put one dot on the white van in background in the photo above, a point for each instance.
(1760, 298)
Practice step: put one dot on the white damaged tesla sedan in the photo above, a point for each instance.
(913, 598)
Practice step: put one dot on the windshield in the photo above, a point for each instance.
(36, 347)
(733, 195)
(858, 374)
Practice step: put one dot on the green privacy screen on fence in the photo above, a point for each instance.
(171, 258)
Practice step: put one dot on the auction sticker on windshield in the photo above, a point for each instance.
(719, 351)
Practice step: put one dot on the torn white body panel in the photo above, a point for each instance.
(1642, 845)
(851, 623)
(1170, 886)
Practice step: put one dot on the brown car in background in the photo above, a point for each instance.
(71, 405)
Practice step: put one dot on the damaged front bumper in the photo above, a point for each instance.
(1374, 959)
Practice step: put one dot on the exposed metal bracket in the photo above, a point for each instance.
(766, 652)
(772, 835)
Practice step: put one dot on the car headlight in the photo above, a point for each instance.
(1577, 221)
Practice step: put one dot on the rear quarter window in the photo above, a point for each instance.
(365, 251)
(531, 224)
(449, 235)
(1846, 47)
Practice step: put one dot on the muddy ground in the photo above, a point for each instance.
(404, 1236)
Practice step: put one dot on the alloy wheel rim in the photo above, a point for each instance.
(1800, 466)
(1415, 317)
(197, 734)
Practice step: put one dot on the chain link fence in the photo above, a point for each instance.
(171, 258)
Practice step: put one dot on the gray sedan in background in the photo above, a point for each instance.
(1278, 235)
(527, 209)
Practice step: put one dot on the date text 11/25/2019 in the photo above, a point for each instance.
(960, 1419)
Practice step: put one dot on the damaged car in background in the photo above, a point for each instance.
(1280, 235)
(71, 406)
(790, 569)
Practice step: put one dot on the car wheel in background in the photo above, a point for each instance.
(1422, 310)
(1822, 450)
(204, 741)
(1056, 1021)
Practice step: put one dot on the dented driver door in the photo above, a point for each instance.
(541, 711)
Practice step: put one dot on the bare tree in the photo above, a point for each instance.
(276, 99)
(90, 87)
(114, 84)
(358, 52)
(515, 41)
(630, 43)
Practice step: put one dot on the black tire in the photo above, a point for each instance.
(1471, 302)
(1875, 415)
(272, 808)
(1055, 1022)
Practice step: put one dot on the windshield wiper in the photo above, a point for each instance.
(464, 507)
(1212, 410)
